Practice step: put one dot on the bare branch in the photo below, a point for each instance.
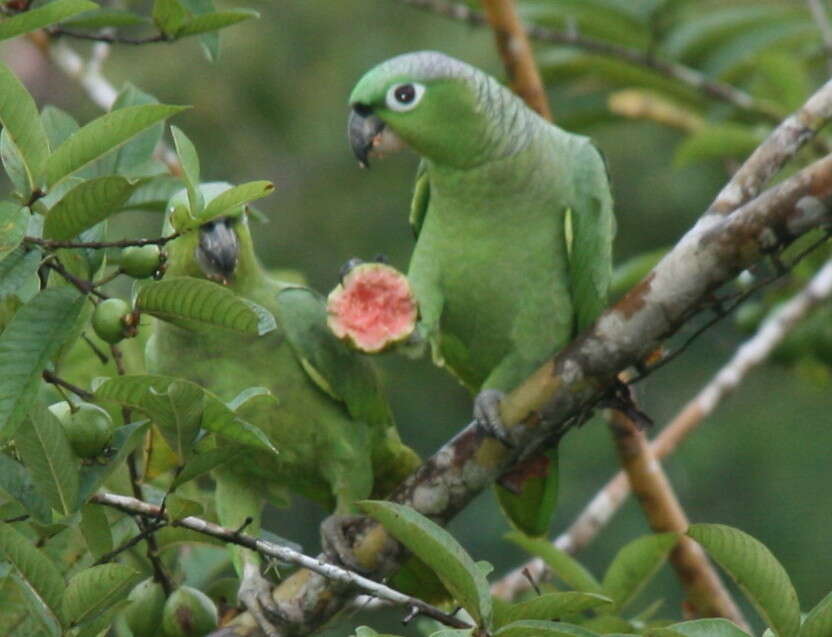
(516, 53)
(610, 498)
(683, 74)
(54, 379)
(54, 244)
(347, 578)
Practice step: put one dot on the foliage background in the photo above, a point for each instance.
(274, 107)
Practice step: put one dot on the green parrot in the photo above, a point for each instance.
(514, 227)
(331, 423)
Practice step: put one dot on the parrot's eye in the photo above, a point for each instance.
(403, 97)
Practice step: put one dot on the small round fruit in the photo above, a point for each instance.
(140, 262)
(372, 308)
(144, 614)
(189, 613)
(89, 428)
(108, 320)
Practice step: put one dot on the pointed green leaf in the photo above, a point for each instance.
(89, 203)
(550, 605)
(219, 419)
(95, 527)
(20, 120)
(169, 16)
(17, 269)
(248, 394)
(93, 590)
(205, 461)
(13, 164)
(45, 451)
(181, 405)
(13, 222)
(105, 17)
(634, 566)
(215, 21)
(707, 628)
(189, 160)
(756, 571)
(102, 135)
(133, 158)
(39, 574)
(440, 551)
(16, 480)
(199, 304)
(564, 566)
(58, 124)
(537, 628)
(818, 622)
(37, 618)
(43, 16)
(234, 197)
(125, 439)
(32, 337)
(153, 195)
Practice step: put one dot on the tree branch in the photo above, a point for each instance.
(516, 53)
(134, 506)
(54, 244)
(54, 379)
(683, 74)
(610, 498)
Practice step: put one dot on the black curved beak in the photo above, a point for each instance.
(218, 249)
(362, 129)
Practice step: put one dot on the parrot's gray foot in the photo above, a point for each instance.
(256, 595)
(336, 544)
(487, 415)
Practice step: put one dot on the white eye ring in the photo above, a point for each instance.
(404, 97)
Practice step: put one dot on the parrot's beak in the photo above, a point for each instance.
(218, 250)
(369, 136)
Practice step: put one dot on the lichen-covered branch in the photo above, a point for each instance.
(685, 75)
(150, 513)
(609, 499)
(516, 53)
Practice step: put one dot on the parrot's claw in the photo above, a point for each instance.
(256, 595)
(487, 415)
(336, 544)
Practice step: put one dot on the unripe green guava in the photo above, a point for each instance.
(144, 614)
(88, 428)
(189, 613)
(140, 262)
(108, 320)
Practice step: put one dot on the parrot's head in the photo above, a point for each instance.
(428, 101)
(211, 250)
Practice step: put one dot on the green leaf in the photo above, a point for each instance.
(537, 628)
(39, 574)
(550, 605)
(249, 394)
(125, 439)
(203, 462)
(17, 269)
(215, 21)
(818, 623)
(132, 159)
(93, 590)
(102, 135)
(13, 222)
(95, 527)
(708, 628)
(32, 337)
(181, 404)
(42, 17)
(189, 160)
(89, 203)
(13, 164)
(178, 507)
(567, 568)
(634, 566)
(45, 451)
(756, 571)
(718, 141)
(234, 197)
(219, 419)
(16, 480)
(58, 124)
(198, 304)
(440, 551)
(20, 121)
(35, 618)
(105, 17)
(153, 195)
(169, 16)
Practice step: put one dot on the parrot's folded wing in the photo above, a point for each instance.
(336, 369)
(421, 198)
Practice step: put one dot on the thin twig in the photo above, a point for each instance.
(54, 244)
(82, 285)
(149, 529)
(135, 506)
(53, 379)
(609, 499)
(683, 74)
(516, 53)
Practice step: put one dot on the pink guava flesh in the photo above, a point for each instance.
(373, 308)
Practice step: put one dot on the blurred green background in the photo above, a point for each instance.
(274, 107)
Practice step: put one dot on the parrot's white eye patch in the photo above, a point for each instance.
(404, 97)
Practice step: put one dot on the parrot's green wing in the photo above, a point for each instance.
(421, 198)
(335, 368)
(592, 228)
